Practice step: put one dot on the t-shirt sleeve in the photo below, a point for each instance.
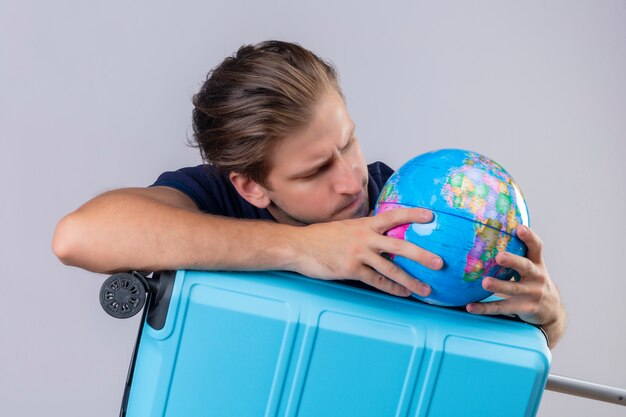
(379, 173)
(211, 190)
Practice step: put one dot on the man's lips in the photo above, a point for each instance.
(356, 202)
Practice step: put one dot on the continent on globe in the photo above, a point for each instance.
(476, 208)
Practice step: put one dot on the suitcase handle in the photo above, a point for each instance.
(571, 386)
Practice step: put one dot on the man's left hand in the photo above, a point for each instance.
(534, 298)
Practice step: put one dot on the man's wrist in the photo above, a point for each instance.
(287, 247)
(554, 330)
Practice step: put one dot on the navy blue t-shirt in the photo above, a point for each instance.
(213, 192)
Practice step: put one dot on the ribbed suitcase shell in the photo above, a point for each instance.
(279, 344)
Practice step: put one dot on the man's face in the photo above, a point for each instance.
(319, 174)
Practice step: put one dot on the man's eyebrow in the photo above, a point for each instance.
(312, 169)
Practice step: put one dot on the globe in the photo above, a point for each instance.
(476, 208)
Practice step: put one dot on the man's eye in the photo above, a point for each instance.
(309, 176)
(316, 173)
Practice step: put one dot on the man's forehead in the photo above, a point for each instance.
(330, 128)
(310, 150)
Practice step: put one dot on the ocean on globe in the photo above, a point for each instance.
(476, 208)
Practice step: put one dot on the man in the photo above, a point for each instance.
(285, 187)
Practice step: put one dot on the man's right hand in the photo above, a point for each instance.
(352, 249)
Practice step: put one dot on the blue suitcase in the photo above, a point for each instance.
(247, 344)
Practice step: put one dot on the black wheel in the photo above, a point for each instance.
(123, 295)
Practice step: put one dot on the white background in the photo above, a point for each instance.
(96, 95)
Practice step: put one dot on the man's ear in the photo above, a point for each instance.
(250, 190)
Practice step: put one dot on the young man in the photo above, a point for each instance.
(285, 187)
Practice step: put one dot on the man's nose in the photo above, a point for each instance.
(347, 180)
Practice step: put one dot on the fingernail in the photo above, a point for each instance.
(425, 290)
(427, 216)
(437, 263)
(522, 229)
(486, 283)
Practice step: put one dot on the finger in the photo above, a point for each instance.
(533, 242)
(379, 281)
(410, 251)
(398, 275)
(396, 217)
(521, 305)
(507, 288)
(491, 308)
(518, 306)
(523, 266)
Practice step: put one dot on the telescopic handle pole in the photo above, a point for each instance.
(586, 389)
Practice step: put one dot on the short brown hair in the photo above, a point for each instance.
(254, 98)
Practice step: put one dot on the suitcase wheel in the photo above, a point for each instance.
(123, 295)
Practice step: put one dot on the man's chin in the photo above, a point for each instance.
(345, 213)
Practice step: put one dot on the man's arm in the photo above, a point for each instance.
(153, 229)
(160, 228)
